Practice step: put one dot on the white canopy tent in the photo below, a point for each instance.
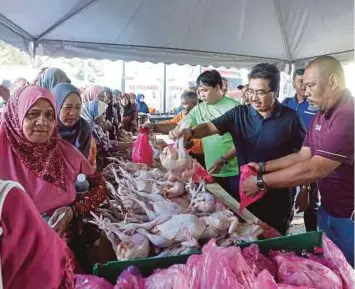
(231, 33)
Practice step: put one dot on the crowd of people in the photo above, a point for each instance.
(51, 132)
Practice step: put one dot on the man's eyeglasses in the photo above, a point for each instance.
(259, 93)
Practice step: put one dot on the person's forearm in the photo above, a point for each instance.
(296, 175)
(164, 128)
(283, 163)
(231, 154)
(204, 130)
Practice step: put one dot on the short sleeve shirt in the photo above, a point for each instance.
(215, 146)
(332, 136)
(257, 139)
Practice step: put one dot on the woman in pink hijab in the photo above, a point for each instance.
(33, 154)
(32, 254)
(94, 92)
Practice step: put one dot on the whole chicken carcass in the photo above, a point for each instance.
(173, 229)
(218, 223)
(176, 190)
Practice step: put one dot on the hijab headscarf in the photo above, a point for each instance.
(48, 170)
(92, 93)
(111, 114)
(32, 254)
(78, 135)
(93, 110)
(52, 76)
(142, 106)
(129, 109)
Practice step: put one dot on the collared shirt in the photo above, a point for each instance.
(304, 109)
(332, 136)
(260, 139)
(257, 139)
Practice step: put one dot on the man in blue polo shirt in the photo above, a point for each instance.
(306, 112)
(260, 131)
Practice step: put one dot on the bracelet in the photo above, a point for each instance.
(224, 160)
(262, 167)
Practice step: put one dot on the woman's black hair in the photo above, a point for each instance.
(210, 78)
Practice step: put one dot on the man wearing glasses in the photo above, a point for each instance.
(260, 131)
(306, 112)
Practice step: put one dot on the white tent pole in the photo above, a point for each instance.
(282, 28)
(123, 78)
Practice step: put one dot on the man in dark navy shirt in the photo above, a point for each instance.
(306, 112)
(261, 131)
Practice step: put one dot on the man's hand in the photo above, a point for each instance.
(216, 167)
(177, 133)
(249, 186)
(255, 166)
(302, 199)
(61, 219)
(149, 126)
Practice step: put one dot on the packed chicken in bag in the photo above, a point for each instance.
(142, 152)
(175, 159)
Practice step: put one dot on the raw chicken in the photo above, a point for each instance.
(176, 190)
(219, 223)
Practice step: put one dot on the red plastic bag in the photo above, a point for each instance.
(142, 151)
(257, 261)
(130, 278)
(91, 282)
(202, 174)
(246, 172)
(298, 271)
(333, 254)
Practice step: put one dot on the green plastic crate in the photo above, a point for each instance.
(297, 243)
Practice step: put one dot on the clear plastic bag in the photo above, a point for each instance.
(142, 151)
(91, 282)
(246, 172)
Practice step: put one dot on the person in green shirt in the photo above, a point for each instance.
(219, 150)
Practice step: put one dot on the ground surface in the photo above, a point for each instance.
(297, 225)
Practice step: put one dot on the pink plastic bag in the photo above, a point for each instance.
(333, 254)
(91, 282)
(142, 152)
(175, 277)
(130, 278)
(246, 172)
(257, 261)
(202, 174)
(298, 271)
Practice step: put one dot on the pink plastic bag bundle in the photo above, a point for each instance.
(298, 271)
(246, 172)
(130, 278)
(142, 152)
(333, 254)
(91, 282)
(175, 277)
(257, 261)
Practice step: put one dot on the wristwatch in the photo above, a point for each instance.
(224, 160)
(262, 167)
(260, 183)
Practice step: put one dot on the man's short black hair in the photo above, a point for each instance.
(190, 95)
(298, 72)
(240, 87)
(268, 72)
(210, 78)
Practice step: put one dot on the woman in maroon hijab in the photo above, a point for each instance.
(32, 254)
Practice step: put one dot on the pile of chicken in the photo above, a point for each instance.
(150, 215)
